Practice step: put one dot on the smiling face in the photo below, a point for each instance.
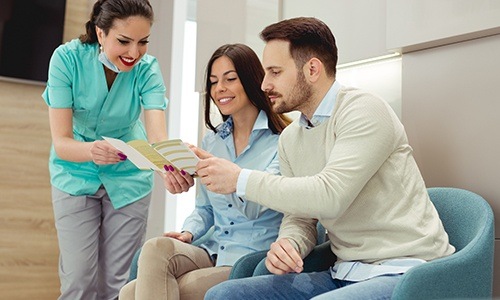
(126, 41)
(285, 85)
(226, 89)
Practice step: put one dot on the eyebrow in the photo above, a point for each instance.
(225, 73)
(273, 67)
(131, 39)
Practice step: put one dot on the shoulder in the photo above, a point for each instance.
(148, 59)
(355, 96)
(76, 46)
(147, 62)
(361, 104)
(209, 139)
(148, 67)
(358, 111)
(290, 130)
(75, 51)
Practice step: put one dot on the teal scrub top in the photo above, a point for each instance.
(76, 80)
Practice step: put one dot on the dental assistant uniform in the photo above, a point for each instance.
(100, 210)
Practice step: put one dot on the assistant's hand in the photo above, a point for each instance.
(282, 258)
(185, 236)
(176, 182)
(103, 153)
(219, 175)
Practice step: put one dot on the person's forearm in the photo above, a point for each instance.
(301, 232)
(156, 127)
(71, 150)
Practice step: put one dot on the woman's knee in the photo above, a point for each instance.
(157, 249)
(127, 291)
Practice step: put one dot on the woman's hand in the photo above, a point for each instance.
(103, 153)
(184, 236)
(176, 181)
(179, 181)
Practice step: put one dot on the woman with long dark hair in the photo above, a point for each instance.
(170, 267)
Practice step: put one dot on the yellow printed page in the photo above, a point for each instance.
(145, 149)
(179, 154)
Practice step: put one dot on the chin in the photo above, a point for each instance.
(126, 68)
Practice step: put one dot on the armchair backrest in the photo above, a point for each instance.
(468, 273)
(466, 216)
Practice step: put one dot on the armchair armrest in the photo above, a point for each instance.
(245, 265)
(320, 259)
(454, 276)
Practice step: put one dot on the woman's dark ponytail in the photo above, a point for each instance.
(104, 12)
(90, 35)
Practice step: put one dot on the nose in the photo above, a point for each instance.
(265, 86)
(134, 51)
(220, 86)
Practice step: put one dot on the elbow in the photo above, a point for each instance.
(58, 149)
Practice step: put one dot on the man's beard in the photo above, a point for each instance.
(297, 97)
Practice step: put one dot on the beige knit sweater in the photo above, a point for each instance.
(356, 174)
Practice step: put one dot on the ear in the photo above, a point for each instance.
(313, 69)
(100, 34)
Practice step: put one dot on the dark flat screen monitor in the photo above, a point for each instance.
(30, 30)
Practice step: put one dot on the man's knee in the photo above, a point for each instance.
(219, 291)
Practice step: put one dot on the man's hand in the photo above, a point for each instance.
(185, 236)
(282, 258)
(219, 175)
(202, 154)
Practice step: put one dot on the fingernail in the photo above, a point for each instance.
(183, 172)
(171, 168)
(122, 156)
(166, 168)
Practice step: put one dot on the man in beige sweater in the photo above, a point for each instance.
(345, 162)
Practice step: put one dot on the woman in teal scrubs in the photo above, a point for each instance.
(97, 86)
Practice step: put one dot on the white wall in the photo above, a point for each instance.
(359, 26)
(414, 25)
(221, 22)
(451, 94)
(450, 111)
(164, 45)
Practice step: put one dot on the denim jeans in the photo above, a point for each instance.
(316, 285)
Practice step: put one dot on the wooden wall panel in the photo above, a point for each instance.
(28, 241)
(77, 13)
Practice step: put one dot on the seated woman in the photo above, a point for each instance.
(170, 267)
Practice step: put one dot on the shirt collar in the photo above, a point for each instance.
(226, 128)
(261, 122)
(324, 110)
